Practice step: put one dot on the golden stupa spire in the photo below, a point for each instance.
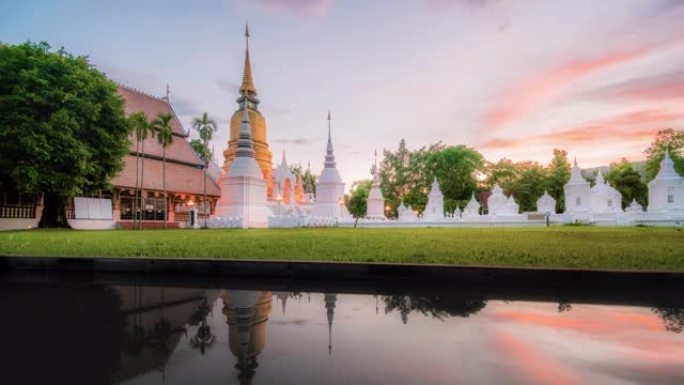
(247, 88)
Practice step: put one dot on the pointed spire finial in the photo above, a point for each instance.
(168, 91)
(247, 88)
(575, 160)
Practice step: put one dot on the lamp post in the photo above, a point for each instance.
(387, 210)
(341, 203)
(279, 198)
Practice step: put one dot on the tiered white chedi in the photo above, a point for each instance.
(604, 198)
(243, 200)
(666, 190)
(375, 206)
(546, 204)
(499, 204)
(577, 192)
(434, 209)
(330, 188)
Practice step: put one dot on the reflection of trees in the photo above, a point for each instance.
(67, 333)
(564, 306)
(437, 306)
(672, 317)
(203, 338)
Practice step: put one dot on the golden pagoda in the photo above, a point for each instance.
(257, 123)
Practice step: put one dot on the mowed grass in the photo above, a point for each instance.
(571, 247)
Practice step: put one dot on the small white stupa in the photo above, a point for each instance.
(434, 209)
(666, 190)
(472, 209)
(577, 192)
(243, 188)
(634, 208)
(375, 207)
(330, 188)
(604, 198)
(546, 204)
(499, 204)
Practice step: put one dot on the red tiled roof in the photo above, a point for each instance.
(180, 178)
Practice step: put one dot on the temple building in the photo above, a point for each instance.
(248, 99)
(143, 168)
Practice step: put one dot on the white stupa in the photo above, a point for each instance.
(376, 202)
(546, 204)
(330, 188)
(604, 198)
(243, 188)
(634, 208)
(666, 190)
(434, 209)
(472, 209)
(577, 193)
(499, 204)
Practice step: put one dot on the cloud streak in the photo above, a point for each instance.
(306, 9)
(638, 125)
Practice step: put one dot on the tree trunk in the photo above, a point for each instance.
(137, 180)
(166, 199)
(206, 165)
(54, 213)
(142, 187)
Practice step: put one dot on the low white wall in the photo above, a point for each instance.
(92, 224)
(18, 223)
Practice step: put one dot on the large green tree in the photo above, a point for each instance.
(557, 175)
(455, 168)
(529, 186)
(356, 201)
(672, 140)
(205, 127)
(624, 178)
(62, 126)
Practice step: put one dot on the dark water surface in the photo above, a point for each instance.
(65, 331)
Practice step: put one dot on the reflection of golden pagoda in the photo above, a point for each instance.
(246, 313)
(257, 124)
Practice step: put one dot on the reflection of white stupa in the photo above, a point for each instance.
(577, 192)
(435, 204)
(330, 300)
(604, 198)
(499, 204)
(243, 188)
(666, 190)
(376, 202)
(330, 188)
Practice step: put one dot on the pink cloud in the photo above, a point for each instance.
(532, 93)
(300, 8)
(536, 366)
(639, 125)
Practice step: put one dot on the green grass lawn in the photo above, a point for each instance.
(576, 247)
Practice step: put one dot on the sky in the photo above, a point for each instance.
(511, 78)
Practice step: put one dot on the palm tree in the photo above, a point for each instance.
(142, 129)
(165, 137)
(206, 128)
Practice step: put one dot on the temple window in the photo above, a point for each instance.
(578, 201)
(610, 203)
(670, 195)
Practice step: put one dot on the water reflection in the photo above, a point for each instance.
(89, 332)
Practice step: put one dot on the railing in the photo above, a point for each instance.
(17, 211)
